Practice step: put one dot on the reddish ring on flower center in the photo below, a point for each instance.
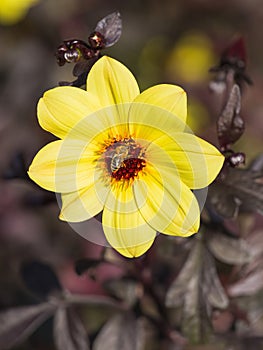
(124, 159)
(129, 169)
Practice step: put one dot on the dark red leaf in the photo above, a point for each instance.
(238, 190)
(17, 324)
(230, 125)
(197, 289)
(69, 331)
(40, 278)
(229, 250)
(235, 53)
(121, 332)
(248, 285)
(91, 299)
(83, 265)
(233, 61)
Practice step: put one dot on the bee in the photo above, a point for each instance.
(84, 54)
(121, 153)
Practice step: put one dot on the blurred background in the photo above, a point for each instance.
(168, 41)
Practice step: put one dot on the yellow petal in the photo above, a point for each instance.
(149, 122)
(197, 161)
(63, 166)
(63, 107)
(83, 204)
(169, 97)
(111, 82)
(124, 227)
(102, 125)
(166, 203)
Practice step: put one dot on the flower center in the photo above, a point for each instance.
(124, 159)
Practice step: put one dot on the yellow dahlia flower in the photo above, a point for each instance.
(11, 11)
(127, 154)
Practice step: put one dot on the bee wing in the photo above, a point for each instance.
(110, 27)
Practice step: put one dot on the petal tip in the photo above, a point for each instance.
(62, 217)
(133, 252)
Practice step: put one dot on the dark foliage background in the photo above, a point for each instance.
(205, 292)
